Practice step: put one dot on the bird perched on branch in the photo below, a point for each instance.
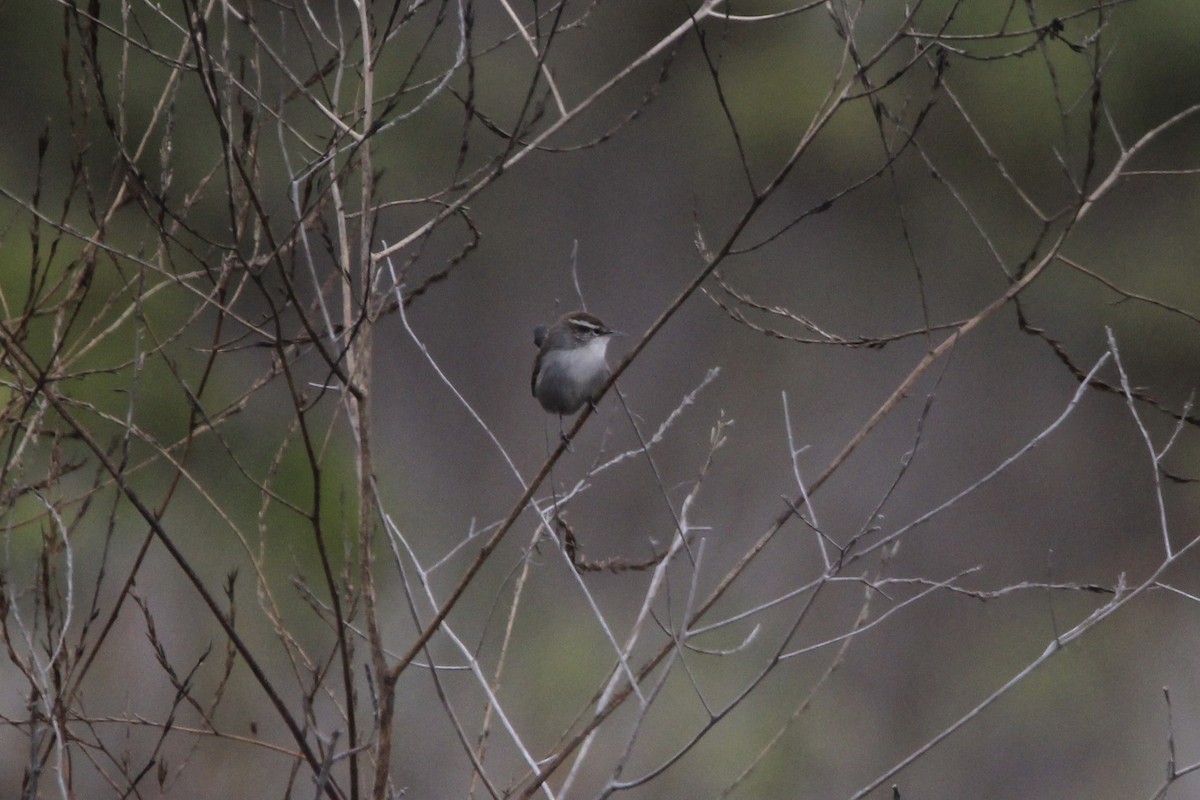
(570, 369)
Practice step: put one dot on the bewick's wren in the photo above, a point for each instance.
(570, 368)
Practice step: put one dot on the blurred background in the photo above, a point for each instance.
(193, 175)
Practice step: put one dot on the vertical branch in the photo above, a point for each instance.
(359, 325)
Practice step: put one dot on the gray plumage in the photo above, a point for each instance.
(570, 369)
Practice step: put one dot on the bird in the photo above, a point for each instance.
(570, 369)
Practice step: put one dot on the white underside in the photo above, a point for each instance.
(573, 376)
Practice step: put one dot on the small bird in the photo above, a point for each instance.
(570, 368)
